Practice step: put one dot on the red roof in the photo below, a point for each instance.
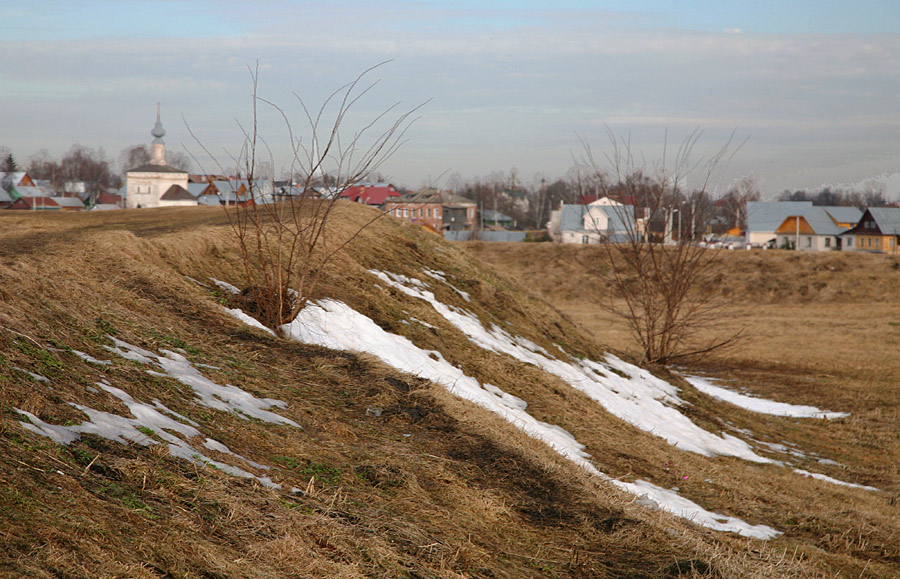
(370, 194)
(34, 203)
(109, 198)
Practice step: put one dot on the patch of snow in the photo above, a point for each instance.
(126, 430)
(334, 325)
(826, 478)
(225, 286)
(249, 320)
(420, 322)
(37, 377)
(227, 398)
(638, 397)
(679, 506)
(442, 277)
(196, 281)
(760, 405)
(91, 359)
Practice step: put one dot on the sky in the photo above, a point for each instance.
(805, 91)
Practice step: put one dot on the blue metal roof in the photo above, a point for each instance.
(763, 216)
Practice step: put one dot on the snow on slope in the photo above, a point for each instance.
(156, 418)
(760, 405)
(333, 324)
(638, 397)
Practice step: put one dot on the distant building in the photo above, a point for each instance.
(145, 185)
(437, 210)
(601, 220)
(375, 194)
(814, 229)
(878, 231)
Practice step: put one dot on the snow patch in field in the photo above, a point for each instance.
(91, 359)
(227, 398)
(146, 418)
(37, 377)
(249, 320)
(826, 478)
(625, 390)
(226, 286)
(335, 325)
(760, 405)
(442, 277)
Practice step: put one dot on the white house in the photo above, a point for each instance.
(604, 219)
(815, 229)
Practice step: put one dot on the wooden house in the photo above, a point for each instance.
(878, 231)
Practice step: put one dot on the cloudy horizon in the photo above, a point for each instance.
(807, 86)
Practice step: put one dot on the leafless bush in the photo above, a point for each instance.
(286, 236)
(662, 253)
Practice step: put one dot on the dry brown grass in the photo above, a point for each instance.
(821, 330)
(434, 487)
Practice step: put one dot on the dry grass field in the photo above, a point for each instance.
(431, 485)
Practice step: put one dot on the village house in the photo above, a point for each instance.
(437, 210)
(816, 228)
(765, 217)
(877, 231)
(602, 220)
(177, 196)
(34, 204)
(374, 194)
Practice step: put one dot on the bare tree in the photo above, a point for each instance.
(661, 273)
(285, 244)
(733, 204)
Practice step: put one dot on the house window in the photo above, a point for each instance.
(584, 239)
(891, 241)
(827, 242)
(437, 211)
(471, 213)
(849, 242)
(809, 242)
(405, 212)
(877, 242)
(428, 212)
(421, 212)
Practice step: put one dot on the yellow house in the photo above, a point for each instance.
(878, 231)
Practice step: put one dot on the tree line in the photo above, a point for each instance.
(92, 167)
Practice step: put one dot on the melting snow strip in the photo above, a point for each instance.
(825, 478)
(227, 398)
(759, 405)
(91, 359)
(442, 277)
(627, 391)
(333, 324)
(226, 286)
(37, 377)
(249, 320)
(125, 430)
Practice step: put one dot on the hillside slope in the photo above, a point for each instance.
(147, 432)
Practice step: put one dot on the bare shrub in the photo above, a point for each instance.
(662, 252)
(285, 234)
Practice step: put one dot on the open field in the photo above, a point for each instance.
(820, 329)
(357, 469)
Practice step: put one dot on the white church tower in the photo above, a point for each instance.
(145, 185)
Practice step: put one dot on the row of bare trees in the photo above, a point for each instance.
(92, 167)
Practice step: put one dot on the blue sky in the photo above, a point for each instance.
(509, 84)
